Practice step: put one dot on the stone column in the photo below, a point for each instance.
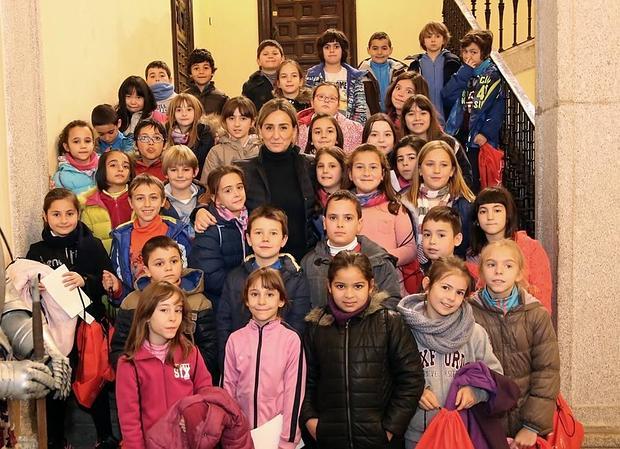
(578, 200)
(23, 92)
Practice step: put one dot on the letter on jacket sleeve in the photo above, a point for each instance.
(129, 414)
(206, 255)
(122, 325)
(294, 389)
(537, 410)
(406, 372)
(206, 341)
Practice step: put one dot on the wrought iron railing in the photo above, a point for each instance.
(517, 37)
(517, 135)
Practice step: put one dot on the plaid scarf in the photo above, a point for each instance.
(371, 199)
(241, 221)
(425, 197)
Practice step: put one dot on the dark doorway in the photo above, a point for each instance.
(296, 24)
(182, 40)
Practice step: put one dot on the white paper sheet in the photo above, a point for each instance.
(267, 436)
(69, 300)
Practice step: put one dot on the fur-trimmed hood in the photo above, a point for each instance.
(323, 316)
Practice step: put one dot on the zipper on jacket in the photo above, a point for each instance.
(256, 375)
(346, 383)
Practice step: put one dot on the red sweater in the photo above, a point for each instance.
(537, 267)
(154, 169)
(142, 401)
(118, 208)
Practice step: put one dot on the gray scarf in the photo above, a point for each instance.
(444, 335)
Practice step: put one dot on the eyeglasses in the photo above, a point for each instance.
(327, 99)
(150, 139)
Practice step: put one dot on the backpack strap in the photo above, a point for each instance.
(135, 368)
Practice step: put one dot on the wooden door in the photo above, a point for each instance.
(296, 24)
(182, 41)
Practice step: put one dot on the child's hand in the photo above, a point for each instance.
(465, 398)
(480, 140)
(311, 425)
(110, 282)
(524, 439)
(182, 424)
(72, 280)
(203, 220)
(429, 401)
(469, 61)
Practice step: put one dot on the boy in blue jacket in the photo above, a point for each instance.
(267, 233)
(476, 94)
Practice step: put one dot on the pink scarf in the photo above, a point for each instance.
(322, 195)
(241, 221)
(90, 164)
(372, 199)
(179, 138)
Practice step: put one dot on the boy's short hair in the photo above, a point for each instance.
(271, 213)
(444, 214)
(144, 179)
(340, 195)
(104, 114)
(244, 104)
(157, 65)
(434, 28)
(199, 55)
(179, 155)
(482, 38)
(149, 122)
(268, 43)
(161, 241)
(333, 35)
(380, 35)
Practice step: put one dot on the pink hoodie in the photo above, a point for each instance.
(142, 401)
(265, 372)
(351, 130)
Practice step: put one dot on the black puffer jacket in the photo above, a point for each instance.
(258, 88)
(363, 379)
(202, 317)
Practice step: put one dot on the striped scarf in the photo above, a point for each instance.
(427, 196)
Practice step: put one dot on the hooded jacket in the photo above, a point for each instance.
(364, 378)
(228, 151)
(182, 211)
(316, 263)
(265, 372)
(371, 84)
(351, 130)
(440, 369)
(526, 345)
(357, 109)
(81, 252)
(121, 242)
(217, 251)
(232, 313)
(203, 318)
(149, 388)
(258, 88)
(96, 216)
(211, 98)
(74, 179)
(224, 424)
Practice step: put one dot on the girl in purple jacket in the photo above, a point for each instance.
(264, 366)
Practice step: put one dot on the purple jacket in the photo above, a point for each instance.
(484, 420)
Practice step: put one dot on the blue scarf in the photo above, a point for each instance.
(505, 304)
(484, 65)
(162, 91)
(382, 73)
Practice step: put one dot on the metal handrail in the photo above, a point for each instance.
(517, 134)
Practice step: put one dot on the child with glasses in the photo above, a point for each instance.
(150, 136)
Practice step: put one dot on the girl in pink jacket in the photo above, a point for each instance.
(385, 221)
(264, 366)
(160, 365)
(495, 214)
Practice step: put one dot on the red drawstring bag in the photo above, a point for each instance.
(567, 431)
(412, 276)
(93, 369)
(446, 430)
(491, 166)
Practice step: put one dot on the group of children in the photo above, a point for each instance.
(180, 221)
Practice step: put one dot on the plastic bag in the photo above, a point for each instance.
(446, 430)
